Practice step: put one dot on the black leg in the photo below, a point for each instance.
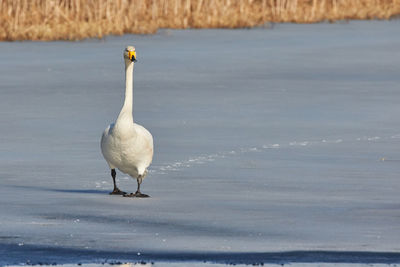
(139, 182)
(116, 190)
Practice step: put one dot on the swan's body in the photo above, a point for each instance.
(131, 151)
(126, 145)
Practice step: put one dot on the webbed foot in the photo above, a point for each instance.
(137, 194)
(117, 192)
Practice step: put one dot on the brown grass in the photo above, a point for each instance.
(77, 19)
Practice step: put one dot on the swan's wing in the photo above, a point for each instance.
(144, 147)
(105, 142)
(106, 135)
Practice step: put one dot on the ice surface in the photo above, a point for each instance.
(207, 264)
(267, 142)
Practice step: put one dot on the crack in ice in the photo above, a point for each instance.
(202, 159)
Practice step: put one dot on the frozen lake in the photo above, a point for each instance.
(271, 145)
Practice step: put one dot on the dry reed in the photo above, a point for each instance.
(77, 19)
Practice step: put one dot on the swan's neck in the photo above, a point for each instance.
(126, 111)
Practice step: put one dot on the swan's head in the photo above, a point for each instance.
(130, 54)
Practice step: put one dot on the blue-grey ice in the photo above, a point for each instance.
(271, 145)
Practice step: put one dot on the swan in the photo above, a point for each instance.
(126, 145)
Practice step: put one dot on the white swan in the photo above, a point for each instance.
(126, 145)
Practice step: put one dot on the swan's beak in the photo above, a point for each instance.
(132, 55)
